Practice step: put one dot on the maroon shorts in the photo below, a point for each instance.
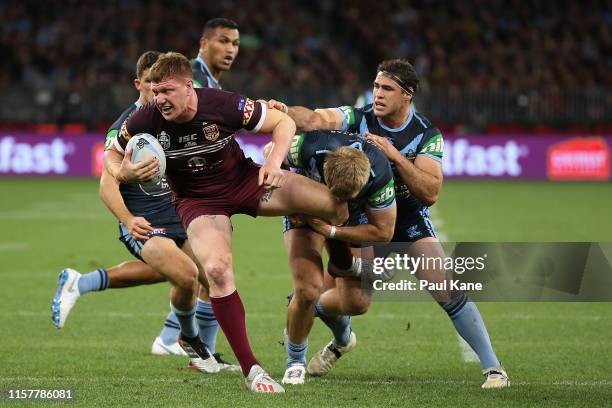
(240, 197)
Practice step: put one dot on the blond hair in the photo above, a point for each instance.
(170, 65)
(347, 170)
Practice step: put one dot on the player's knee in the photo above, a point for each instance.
(307, 295)
(356, 307)
(186, 275)
(219, 269)
(341, 213)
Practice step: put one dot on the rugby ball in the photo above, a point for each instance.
(144, 146)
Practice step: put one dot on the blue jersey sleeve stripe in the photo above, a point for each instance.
(431, 156)
(381, 207)
(344, 121)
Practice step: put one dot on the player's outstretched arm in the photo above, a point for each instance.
(307, 120)
(138, 227)
(282, 128)
(380, 227)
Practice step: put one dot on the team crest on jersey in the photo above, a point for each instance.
(211, 132)
(411, 155)
(249, 108)
(164, 140)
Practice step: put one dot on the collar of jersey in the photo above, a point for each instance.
(138, 104)
(205, 69)
(402, 127)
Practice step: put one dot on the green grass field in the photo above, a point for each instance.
(557, 354)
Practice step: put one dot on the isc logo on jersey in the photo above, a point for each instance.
(144, 146)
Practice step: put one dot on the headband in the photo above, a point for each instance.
(409, 89)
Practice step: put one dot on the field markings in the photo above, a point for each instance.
(13, 246)
(467, 354)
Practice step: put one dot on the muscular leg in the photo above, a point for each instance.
(165, 257)
(463, 313)
(133, 273)
(210, 238)
(303, 248)
(300, 195)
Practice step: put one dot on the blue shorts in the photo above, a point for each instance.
(414, 226)
(172, 229)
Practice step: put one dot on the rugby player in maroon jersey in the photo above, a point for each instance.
(212, 180)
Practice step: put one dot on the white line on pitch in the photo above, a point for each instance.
(13, 246)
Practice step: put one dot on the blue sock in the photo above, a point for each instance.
(94, 281)
(339, 325)
(296, 353)
(209, 327)
(187, 321)
(171, 330)
(468, 323)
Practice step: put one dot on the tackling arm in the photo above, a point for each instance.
(423, 177)
(380, 227)
(308, 120)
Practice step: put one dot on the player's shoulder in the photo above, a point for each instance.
(423, 124)
(124, 115)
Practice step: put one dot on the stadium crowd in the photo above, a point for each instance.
(316, 49)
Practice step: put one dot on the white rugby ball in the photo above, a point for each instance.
(144, 146)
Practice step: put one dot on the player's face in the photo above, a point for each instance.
(389, 98)
(171, 96)
(143, 84)
(221, 46)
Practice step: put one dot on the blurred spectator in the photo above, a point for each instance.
(72, 60)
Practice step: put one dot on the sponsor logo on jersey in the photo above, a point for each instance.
(196, 162)
(249, 108)
(384, 196)
(164, 140)
(293, 155)
(434, 146)
(211, 132)
(110, 136)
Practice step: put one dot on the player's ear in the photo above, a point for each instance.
(137, 84)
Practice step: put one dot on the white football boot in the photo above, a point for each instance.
(495, 377)
(295, 374)
(159, 348)
(225, 365)
(199, 356)
(260, 382)
(65, 297)
(325, 359)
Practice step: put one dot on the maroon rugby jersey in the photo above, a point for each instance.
(202, 156)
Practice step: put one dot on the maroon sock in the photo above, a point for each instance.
(229, 312)
(339, 253)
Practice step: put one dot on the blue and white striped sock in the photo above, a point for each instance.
(207, 322)
(171, 330)
(469, 324)
(296, 353)
(94, 281)
(339, 325)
